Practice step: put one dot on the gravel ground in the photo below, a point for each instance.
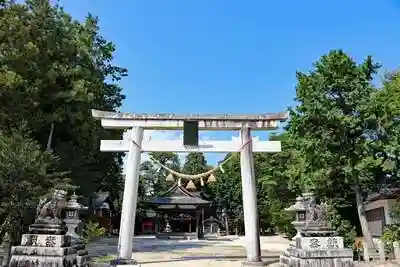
(378, 264)
(227, 251)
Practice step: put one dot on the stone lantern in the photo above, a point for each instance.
(72, 211)
(72, 220)
(315, 243)
(167, 225)
(299, 209)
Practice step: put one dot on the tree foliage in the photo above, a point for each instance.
(53, 70)
(342, 140)
(334, 127)
(227, 190)
(153, 176)
(26, 174)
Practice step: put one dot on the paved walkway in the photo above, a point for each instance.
(226, 251)
(223, 252)
(378, 264)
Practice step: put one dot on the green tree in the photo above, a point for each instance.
(334, 127)
(391, 232)
(26, 174)
(195, 163)
(227, 190)
(277, 179)
(154, 177)
(387, 141)
(341, 226)
(53, 70)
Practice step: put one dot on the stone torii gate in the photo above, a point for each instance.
(134, 144)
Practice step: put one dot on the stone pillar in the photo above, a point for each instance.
(366, 249)
(197, 225)
(157, 224)
(6, 248)
(249, 191)
(381, 248)
(129, 203)
(396, 250)
(202, 219)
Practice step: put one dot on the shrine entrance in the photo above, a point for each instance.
(134, 144)
(179, 213)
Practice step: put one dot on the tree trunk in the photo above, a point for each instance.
(50, 139)
(363, 219)
(226, 225)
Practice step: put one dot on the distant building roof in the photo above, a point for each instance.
(100, 198)
(384, 193)
(177, 196)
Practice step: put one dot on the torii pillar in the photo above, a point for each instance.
(249, 195)
(134, 145)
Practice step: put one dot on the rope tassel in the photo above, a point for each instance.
(191, 185)
(170, 178)
(201, 181)
(211, 179)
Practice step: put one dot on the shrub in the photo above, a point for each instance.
(391, 232)
(341, 226)
(93, 231)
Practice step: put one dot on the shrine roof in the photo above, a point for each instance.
(177, 196)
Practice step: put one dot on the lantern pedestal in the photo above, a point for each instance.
(44, 245)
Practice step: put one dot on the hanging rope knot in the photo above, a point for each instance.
(246, 144)
(136, 144)
(191, 177)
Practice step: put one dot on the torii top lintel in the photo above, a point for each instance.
(171, 121)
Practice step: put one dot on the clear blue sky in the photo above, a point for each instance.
(234, 56)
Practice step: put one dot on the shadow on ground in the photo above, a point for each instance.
(269, 259)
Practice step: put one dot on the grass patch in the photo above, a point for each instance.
(103, 259)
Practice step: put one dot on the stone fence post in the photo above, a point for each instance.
(5, 248)
(366, 252)
(396, 250)
(381, 249)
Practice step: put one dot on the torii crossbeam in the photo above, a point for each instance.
(134, 144)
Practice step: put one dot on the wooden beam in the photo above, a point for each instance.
(171, 121)
(279, 116)
(205, 125)
(177, 146)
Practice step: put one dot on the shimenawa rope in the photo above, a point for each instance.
(195, 176)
